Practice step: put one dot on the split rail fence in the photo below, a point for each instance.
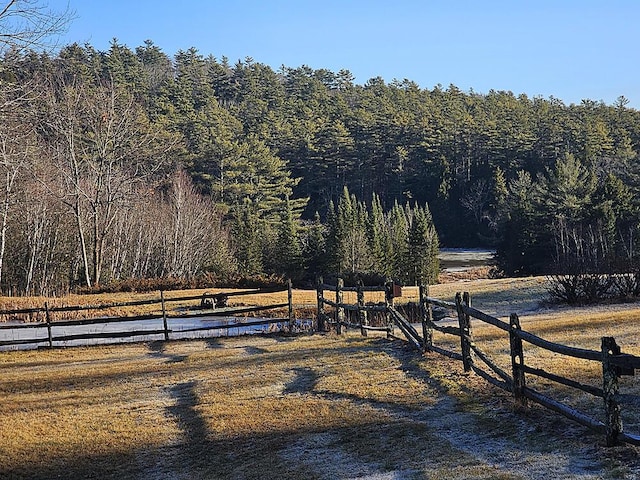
(615, 364)
(164, 323)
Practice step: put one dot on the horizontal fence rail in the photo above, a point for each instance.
(614, 362)
(164, 322)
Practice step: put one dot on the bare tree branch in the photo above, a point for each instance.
(30, 24)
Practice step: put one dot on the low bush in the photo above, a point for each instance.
(588, 288)
(627, 285)
(142, 285)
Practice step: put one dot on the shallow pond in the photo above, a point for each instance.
(460, 259)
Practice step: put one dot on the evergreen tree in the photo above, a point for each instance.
(519, 250)
(422, 252)
(287, 254)
(314, 249)
(248, 235)
(351, 241)
(378, 238)
(399, 242)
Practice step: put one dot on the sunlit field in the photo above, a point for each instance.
(312, 406)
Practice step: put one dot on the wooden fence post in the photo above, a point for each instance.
(362, 313)
(48, 320)
(164, 317)
(290, 306)
(464, 322)
(388, 302)
(613, 422)
(321, 320)
(426, 317)
(517, 360)
(339, 309)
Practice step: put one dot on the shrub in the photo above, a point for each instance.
(580, 288)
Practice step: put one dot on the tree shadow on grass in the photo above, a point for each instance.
(251, 350)
(190, 422)
(214, 342)
(490, 415)
(158, 349)
(304, 381)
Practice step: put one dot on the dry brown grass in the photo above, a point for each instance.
(230, 408)
(9, 303)
(578, 327)
(300, 297)
(316, 407)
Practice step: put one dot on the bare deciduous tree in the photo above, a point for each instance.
(196, 233)
(17, 150)
(104, 148)
(30, 24)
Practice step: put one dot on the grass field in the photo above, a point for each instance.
(315, 406)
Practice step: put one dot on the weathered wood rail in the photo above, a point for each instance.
(614, 363)
(362, 309)
(163, 318)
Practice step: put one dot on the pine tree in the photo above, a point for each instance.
(248, 239)
(378, 237)
(314, 250)
(287, 252)
(399, 242)
(422, 256)
(334, 234)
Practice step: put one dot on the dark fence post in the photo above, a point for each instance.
(321, 320)
(465, 330)
(362, 313)
(339, 308)
(290, 306)
(388, 302)
(517, 360)
(426, 317)
(48, 320)
(613, 422)
(164, 317)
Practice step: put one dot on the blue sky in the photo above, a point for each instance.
(571, 50)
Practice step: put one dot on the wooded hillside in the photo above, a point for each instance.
(130, 163)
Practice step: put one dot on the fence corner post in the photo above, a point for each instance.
(321, 321)
(517, 361)
(48, 320)
(362, 313)
(339, 307)
(464, 322)
(613, 422)
(290, 305)
(164, 317)
(426, 317)
(388, 302)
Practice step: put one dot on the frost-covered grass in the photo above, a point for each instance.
(316, 407)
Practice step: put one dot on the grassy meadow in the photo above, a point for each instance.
(314, 406)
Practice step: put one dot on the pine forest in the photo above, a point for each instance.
(129, 164)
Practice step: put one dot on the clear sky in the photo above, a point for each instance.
(568, 49)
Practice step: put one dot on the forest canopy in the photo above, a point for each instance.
(129, 163)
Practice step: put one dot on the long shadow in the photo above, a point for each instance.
(203, 454)
(304, 382)
(487, 428)
(158, 350)
(189, 420)
(213, 342)
(251, 350)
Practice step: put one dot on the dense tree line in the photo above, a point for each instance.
(130, 163)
